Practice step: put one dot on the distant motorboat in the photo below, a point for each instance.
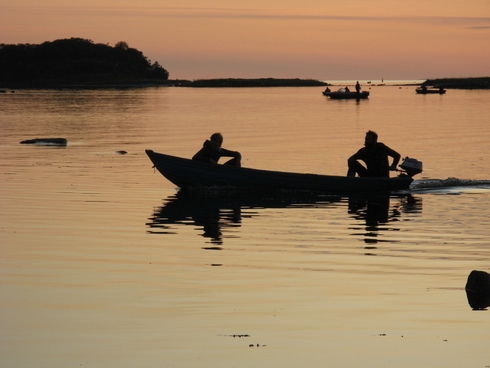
(343, 94)
(426, 91)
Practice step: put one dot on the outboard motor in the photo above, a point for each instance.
(411, 166)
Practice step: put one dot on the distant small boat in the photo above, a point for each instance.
(342, 94)
(426, 91)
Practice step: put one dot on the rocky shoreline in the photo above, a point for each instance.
(447, 83)
(198, 83)
(260, 82)
(459, 83)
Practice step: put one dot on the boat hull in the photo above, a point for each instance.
(188, 174)
(347, 95)
(421, 91)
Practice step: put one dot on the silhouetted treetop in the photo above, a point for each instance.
(75, 61)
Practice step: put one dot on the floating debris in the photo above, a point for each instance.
(46, 141)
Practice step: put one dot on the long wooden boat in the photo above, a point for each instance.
(426, 91)
(189, 174)
(342, 95)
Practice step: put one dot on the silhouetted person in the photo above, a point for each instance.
(358, 87)
(211, 152)
(347, 89)
(375, 156)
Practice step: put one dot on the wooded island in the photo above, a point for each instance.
(81, 63)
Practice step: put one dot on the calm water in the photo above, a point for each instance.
(102, 265)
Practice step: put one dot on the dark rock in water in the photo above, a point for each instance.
(122, 152)
(46, 141)
(478, 289)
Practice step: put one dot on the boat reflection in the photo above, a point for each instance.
(215, 215)
(376, 212)
(209, 215)
(218, 217)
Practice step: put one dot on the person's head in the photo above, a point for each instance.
(371, 138)
(217, 139)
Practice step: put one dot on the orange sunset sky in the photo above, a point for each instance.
(320, 39)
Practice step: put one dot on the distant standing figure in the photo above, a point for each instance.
(211, 152)
(375, 156)
(358, 87)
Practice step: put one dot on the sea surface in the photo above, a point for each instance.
(104, 264)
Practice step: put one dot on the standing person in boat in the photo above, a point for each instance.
(211, 152)
(375, 156)
(358, 87)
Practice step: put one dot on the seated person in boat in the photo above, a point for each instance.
(375, 156)
(212, 151)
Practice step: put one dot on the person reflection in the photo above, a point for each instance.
(213, 219)
(377, 211)
(374, 212)
(209, 220)
(208, 214)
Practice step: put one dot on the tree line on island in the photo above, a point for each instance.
(78, 62)
(75, 61)
(459, 83)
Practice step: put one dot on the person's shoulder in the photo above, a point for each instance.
(360, 152)
(384, 147)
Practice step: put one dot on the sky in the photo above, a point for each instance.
(317, 39)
